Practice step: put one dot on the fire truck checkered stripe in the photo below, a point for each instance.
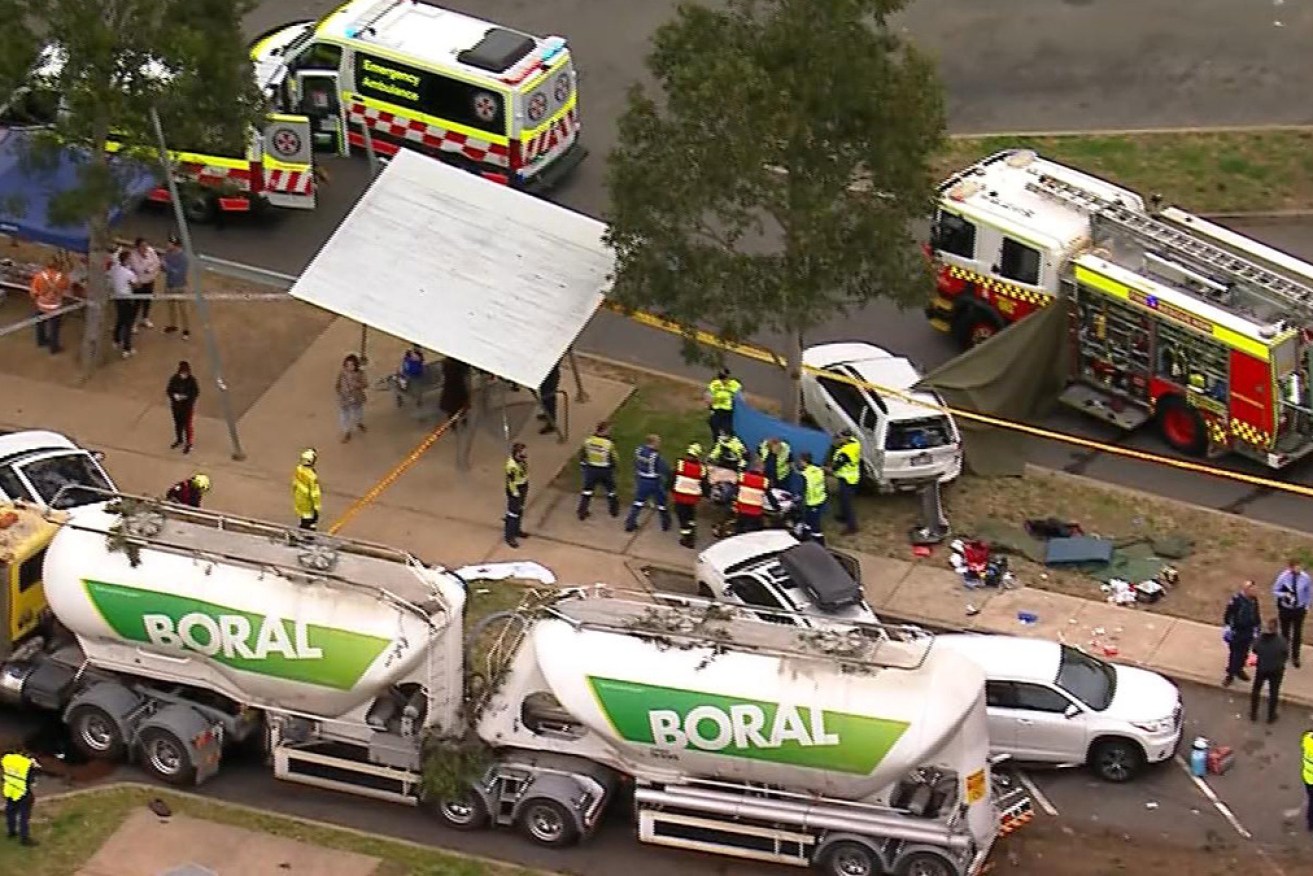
(999, 287)
(1250, 434)
(428, 135)
(1216, 431)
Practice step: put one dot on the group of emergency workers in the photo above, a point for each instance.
(755, 480)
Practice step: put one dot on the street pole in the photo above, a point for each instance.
(202, 306)
(373, 174)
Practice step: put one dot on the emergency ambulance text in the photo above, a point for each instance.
(392, 83)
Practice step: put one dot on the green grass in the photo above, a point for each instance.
(1210, 172)
(71, 830)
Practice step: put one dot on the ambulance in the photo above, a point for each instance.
(392, 74)
(275, 169)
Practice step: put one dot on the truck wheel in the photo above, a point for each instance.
(1116, 760)
(925, 864)
(465, 811)
(95, 734)
(199, 206)
(1181, 426)
(165, 757)
(547, 823)
(975, 325)
(847, 858)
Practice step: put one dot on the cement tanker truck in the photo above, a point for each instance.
(852, 752)
(171, 632)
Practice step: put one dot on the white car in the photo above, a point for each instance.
(904, 443)
(1049, 703)
(35, 465)
(771, 569)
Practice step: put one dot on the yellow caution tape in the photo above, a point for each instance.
(391, 477)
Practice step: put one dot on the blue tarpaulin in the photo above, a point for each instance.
(27, 188)
(754, 426)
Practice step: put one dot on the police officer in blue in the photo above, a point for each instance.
(651, 473)
(598, 461)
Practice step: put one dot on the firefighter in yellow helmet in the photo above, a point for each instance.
(307, 498)
(189, 492)
(19, 775)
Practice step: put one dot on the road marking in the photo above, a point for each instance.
(1214, 799)
(1037, 795)
(1275, 867)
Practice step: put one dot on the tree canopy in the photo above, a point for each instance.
(105, 65)
(772, 183)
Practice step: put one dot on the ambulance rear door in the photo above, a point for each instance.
(287, 159)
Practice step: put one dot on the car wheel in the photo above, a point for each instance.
(1116, 760)
(847, 858)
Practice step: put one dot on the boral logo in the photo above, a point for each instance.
(674, 718)
(229, 635)
(261, 644)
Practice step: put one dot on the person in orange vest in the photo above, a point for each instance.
(49, 286)
(750, 500)
(690, 485)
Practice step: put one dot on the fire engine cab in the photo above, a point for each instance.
(1171, 318)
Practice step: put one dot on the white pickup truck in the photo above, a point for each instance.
(35, 465)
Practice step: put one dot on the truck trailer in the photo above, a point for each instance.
(174, 632)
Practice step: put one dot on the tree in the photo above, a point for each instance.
(120, 60)
(773, 186)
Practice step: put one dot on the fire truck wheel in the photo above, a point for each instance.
(1181, 426)
(975, 325)
(199, 207)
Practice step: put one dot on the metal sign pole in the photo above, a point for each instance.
(373, 173)
(202, 306)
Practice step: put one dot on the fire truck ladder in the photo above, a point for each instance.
(1278, 289)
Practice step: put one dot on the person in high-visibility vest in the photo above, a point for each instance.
(517, 490)
(776, 460)
(720, 403)
(48, 289)
(650, 474)
(846, 465)
(19, 776)
(307, 498)
(1306, 752)
(814, 498)
(750, 499)
(690, 487)
(729, 451)
(598, 460)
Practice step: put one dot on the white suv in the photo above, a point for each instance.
(771, 569)
(1053, 704)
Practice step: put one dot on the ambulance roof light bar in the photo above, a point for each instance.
(551, 47)
(364, 25)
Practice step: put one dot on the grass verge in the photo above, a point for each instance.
(1204, 172)
(72, 829)
(1227, 548)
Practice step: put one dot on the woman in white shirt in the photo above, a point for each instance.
(121, 283)
(145, 264)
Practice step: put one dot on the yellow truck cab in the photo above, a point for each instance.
(491, 100)
(274, 168)
(25, 532)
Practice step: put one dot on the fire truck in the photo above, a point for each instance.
(1171, 319)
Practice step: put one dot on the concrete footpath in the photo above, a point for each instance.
(450, 516)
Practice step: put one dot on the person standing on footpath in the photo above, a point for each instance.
(846, 465)
(183, 390)
(720, 403)
(598, 461)
(176, 276)
(1241, 621)
(121, 283)
(1306, 750)
(145, 264)
(1271, 650)
(49, 286)
(689, 487)
(351, 396)
(814, 498)
(307, 498)
(650, 476)
(517, 491)
(19, 776)
(1293, 592)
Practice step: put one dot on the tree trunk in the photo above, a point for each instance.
(99, 246)
(792, 402)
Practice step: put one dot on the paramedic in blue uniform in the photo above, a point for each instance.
(651, 473)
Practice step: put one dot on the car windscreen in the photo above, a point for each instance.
(921, 433)
(50, 474)
(1088, 679)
